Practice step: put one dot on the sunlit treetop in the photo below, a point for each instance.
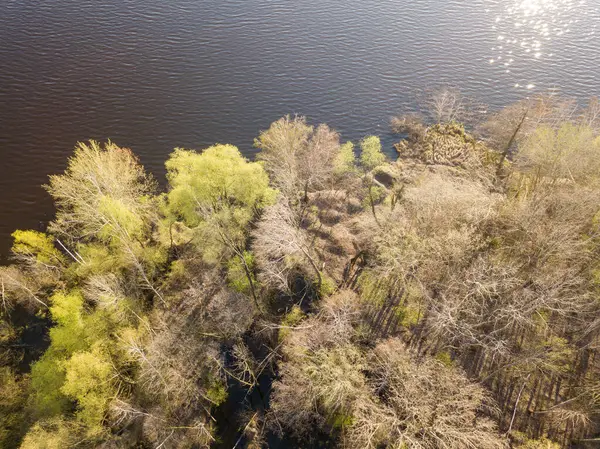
(104, 193)
(219, 178)
(371, 155)
(345, 161)
(37, 246)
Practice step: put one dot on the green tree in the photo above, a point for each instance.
(33, 247)
(345, 161)
(66, 337)
(54, 433)
(88, 381)
(217, 179)
(371, 155)
(215, 194)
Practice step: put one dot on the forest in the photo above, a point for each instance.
(320, 296)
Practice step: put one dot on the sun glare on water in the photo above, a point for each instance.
(526, 31)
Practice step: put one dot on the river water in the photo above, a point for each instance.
(154, 74)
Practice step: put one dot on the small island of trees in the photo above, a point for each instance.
(319, 296)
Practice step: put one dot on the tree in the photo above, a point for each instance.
(371, 155)
(216, 194)
(281, 146)
(67, 337)
(504, 130)
(53, 434)
(345, 161)
(13, 396)
(18, 288)
(422, 404)
(214, 180)
(317, 161)
(104, 194)
(36, 248)
(105, 208)
(446, 105)
(89, 380)
(382, 397)
(77, 365)
(180, 379)
(566, 154)
(298, 157)
(473, 305)
(320, 376)
(281, 245)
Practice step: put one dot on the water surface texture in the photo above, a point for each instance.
(154, 74)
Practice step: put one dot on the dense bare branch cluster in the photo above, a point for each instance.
(374, 398)
(298, 157)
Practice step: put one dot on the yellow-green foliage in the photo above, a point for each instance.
(12, 400)
(66, 308)
(68, 336)
(47, 377)
(568, 153)
(373, 289)
(216, 193)
(327, 285)
(236, 272)
(341, 420)
(522, 442)
(99, 259)
(54, 433)
(67, 311)
(88, 381)
(104, 193)
(559, 354)
(409, 315)
(178, 271)
(122, 216)
(291, 319)
(215, 179)
(371, 155)
(37, 244)
(375, 195)
(75, 332)
(345, 161)
(445, 358)
(217, 392)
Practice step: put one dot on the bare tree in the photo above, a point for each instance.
(422, 404)
(446, 104)
(375, 398)
(298, 157)
(282, 245)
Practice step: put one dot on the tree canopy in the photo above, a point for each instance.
(312, 298)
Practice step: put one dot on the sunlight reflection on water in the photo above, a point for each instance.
(528, 30)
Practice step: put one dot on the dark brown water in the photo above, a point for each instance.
(153, 75)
